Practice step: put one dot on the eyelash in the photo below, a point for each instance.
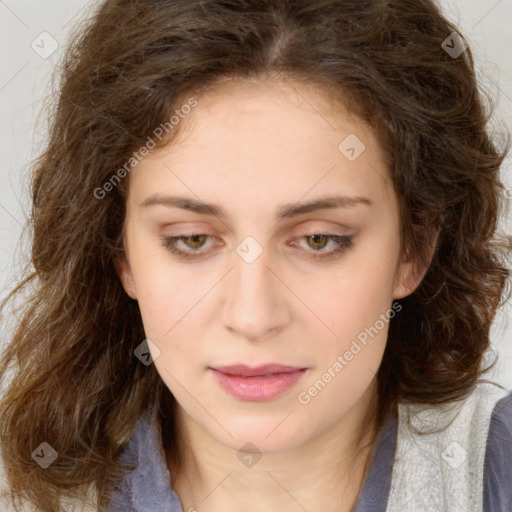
(343, 243)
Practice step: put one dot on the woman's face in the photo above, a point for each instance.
(264, 285)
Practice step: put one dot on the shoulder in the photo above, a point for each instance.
(498, 458)
(470, 417)
(147, 486)
(447, 445)
(472, 414)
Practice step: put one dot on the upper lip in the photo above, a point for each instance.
(248, 371)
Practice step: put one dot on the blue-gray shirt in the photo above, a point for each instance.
(148, 487)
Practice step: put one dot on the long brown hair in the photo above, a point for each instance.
(76, 383)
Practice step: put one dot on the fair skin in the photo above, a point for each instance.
(251, 147)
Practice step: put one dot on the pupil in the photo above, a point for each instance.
(194, 239)
(315, 238)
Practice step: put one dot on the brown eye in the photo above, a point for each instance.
(319, 241)
(194, 241)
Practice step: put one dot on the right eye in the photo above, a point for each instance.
(194, 241)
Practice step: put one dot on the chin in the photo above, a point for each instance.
(268, 435)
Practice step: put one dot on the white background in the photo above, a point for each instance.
(25, 80)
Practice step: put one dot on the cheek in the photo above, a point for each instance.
(355, 308)
(163, 302)
(161, 291)
(346, 303)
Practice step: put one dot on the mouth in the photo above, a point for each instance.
(265, 370)
(257, 384)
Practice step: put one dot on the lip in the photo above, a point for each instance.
(251, 371)
(259, 383)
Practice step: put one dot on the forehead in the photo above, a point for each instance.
(270, 106)
(264, 138)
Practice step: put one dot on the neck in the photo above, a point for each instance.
(325, 473)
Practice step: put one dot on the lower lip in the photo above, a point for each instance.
(258, 389)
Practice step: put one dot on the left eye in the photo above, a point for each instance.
(196, 242)
(341, 244)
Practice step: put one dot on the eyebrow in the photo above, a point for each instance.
(284, 212)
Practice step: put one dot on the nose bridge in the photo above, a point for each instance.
(254, 302)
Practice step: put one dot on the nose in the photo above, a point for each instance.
(256, 303)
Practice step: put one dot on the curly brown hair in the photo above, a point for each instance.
(76, 383)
